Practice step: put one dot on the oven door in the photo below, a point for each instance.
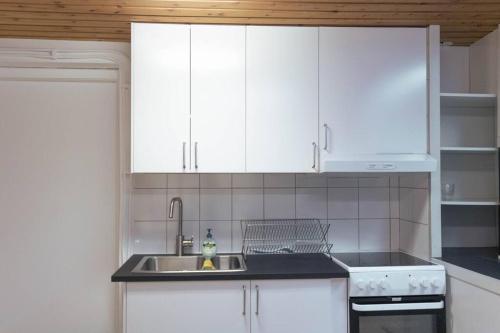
(411, 314)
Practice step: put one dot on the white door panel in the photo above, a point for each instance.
(218, 98)
(282, 98)
(373, 90)
(298, 306)
(160, 97)
(187, 307)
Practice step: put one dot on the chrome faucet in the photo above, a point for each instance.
(180, 242)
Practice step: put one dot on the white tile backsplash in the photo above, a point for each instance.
(312, 203)
(215, 204)
(394, 204)
(344, 235)
(149, 204)
(343, 182)
(279, 203)
(248, 180)
(237, 236)
(375, 235)
(414, 180)
(414, 238)
(153, 180)
(394, 234)
(215, 180)
(343, 203)
(248, 203)
(279, 180)
(180, 180)
(310, 180)
(374, 181)
(362, 209)
(148, 237)
(374, 203)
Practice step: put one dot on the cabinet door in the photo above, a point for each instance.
(282, 99)
(218, 98)
(373, 90)
(160, 97)
(187, 307)
(298, 306)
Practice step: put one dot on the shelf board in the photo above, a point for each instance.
(470, 202)
(468, 149)
(452, 100)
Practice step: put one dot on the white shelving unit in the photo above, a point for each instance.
(468, 100)
(465, 202)
(469, 161)
(468, 152)
(468, 149)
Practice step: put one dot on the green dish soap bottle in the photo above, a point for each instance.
(208, 251)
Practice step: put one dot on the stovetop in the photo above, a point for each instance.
(379, 259)
(374, 274)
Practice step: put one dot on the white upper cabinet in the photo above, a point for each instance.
(217, 98)
(373, 91)
(160, 97)
(281, 99)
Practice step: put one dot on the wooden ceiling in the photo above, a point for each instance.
(462, 21)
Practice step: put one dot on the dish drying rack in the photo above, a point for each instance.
(285, 236)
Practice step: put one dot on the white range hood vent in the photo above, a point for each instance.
(379, 163)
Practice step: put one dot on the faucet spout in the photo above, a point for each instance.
(180, 242)
(171, 213)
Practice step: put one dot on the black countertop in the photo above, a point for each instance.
(269, 266)
(483, 260)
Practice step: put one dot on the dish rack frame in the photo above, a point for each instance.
(285, 236)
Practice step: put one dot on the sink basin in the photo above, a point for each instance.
(189, 264)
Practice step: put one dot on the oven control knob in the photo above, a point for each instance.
(413, 283)
(383, 284)
(372, 284)
(435, 283)
(424, 283)
(360, 284)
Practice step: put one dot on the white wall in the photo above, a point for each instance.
(59, 139)
(362, 208)
(483, 64)
(471, 69)
(414, 214)
(455, 69)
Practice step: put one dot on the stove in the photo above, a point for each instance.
(391, 274)
(394, 292)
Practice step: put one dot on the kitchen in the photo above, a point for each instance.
(258, 178)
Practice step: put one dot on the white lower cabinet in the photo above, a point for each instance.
(188, 307)
(259, 306)
(299, 306)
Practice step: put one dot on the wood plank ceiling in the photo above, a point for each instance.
(462, 21)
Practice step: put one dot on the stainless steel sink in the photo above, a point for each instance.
(189, 264)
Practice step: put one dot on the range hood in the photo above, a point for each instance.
(379, 163)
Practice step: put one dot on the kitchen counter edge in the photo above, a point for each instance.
(259, 267)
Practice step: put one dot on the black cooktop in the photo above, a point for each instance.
(379, 259)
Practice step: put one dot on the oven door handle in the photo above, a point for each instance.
(397, 307)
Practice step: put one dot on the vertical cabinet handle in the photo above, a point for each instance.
(196, 155)
(257, 297)
(326, 137)
(314, 155)
(184, 155)
(244, 300)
